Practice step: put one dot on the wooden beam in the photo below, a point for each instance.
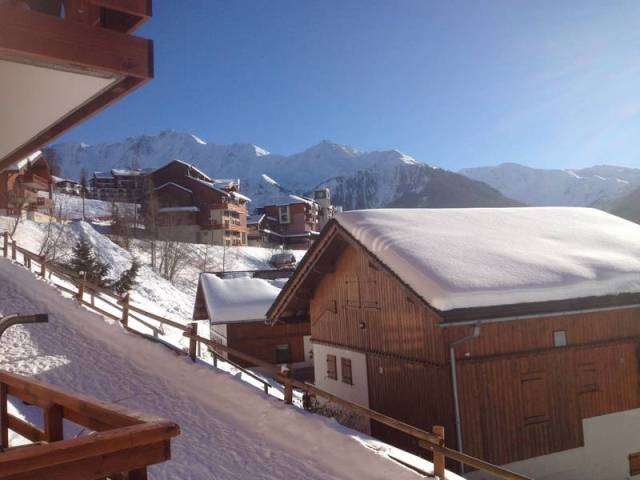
(45, 40)
(53, 430)
(139, 8)
(25, 429)
(17, 464)
(4, 416)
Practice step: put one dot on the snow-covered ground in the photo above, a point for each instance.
(229, 429)
(70, 207)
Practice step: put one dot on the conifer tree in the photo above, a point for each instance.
(128, 278)
(84, 261)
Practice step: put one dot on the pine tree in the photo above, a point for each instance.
(84, 261)
(128, 278)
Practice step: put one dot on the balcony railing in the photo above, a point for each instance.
(117, 443)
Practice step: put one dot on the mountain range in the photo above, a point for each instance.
(357, 179)
(361, 179)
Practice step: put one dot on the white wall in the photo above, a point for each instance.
(608, 441)
(356, 393)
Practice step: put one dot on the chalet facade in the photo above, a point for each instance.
(516, 329)
(186, 204)
(67, 186)
(118, 185)
(236, 304)
(26, 186)
(292, 222)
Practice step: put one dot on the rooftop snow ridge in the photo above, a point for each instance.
(478, 257)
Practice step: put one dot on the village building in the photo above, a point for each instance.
(256, 226)
(26, 187)
(235, 305)
(118, 185)
(66, 186)
(185, 204)
(517, 329)
(290, 222)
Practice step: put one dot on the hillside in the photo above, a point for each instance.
(627, 206)
(594, 186)
(359, 179)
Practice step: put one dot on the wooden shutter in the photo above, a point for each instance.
(345, 370)
(332, 368)
(353, 292)
(535, 402)
(634, 464)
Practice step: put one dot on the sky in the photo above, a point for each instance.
(550, 84)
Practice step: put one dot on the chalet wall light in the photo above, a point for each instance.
(362, 325)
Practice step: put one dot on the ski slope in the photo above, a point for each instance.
(229, 429)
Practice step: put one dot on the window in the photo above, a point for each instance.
(332, 369)
(283, 354)
(283, 212)
(559, 338)
(345, 368)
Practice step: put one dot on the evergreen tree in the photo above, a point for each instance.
(128, 278)
(84, 261)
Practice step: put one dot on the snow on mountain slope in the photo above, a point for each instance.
(229, 430)
(585, 187)
(360, 179)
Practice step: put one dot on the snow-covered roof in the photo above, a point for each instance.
(236, 195)
(127, 172)
(238, 299)
(190, 208)
(291, 199)
(255, 218)
(173, 185)
(103, 175)
(476, 257)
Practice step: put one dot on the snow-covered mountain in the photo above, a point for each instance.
(594, 186)
(358, 179)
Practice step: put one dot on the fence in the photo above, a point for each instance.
(431, 441)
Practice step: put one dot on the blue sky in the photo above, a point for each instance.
(551, 84)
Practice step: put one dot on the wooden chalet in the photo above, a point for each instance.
(60, 62)
(188, 205)
(235, 303)
(26, 186)
(516, 329)
(118, 185)
(291, 222)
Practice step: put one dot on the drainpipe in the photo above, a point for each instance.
(454, 381)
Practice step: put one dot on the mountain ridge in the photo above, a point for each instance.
(359, 179)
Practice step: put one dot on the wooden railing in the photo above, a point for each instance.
(431, 441)
(124, 442)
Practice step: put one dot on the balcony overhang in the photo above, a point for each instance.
(56, 72)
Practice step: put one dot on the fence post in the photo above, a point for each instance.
(43, 266)
(288, 388)
(125, 310)
(438, 458)
(4, 417)
(80, 294)
(193, 341)
(5, 245)
(13, 250)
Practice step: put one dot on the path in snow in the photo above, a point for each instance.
(229, 429)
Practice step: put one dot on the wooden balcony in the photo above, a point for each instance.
(116, 443)
(58, 69)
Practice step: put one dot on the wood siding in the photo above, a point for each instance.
(261, 340)
(515, 407)
(359, 306)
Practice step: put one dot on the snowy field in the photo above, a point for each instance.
(229, 429)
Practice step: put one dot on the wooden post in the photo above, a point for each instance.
(43, 266)
(80, 294)
(125, 310)
(215, 358)
(53, 431)
(193, 341)
(438, 458)
(13, 250)
(5, 245)
(4, 417)
(288, 388)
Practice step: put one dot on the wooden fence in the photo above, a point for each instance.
(431, 441)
